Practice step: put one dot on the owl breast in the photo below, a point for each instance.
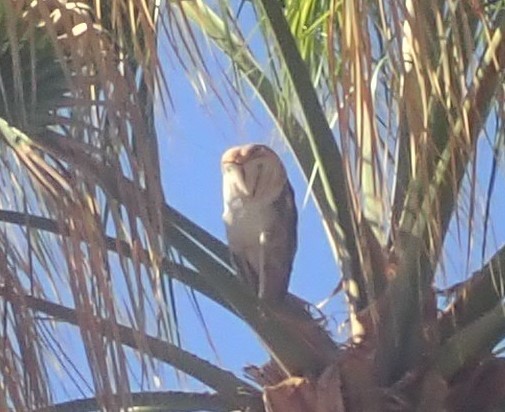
(262, 240)
(245, 221)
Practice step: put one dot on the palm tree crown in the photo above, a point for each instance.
(394, 114)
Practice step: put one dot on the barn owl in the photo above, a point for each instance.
(260, 218)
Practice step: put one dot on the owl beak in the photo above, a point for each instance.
(241, 182)
(257, 180)
(238, 173)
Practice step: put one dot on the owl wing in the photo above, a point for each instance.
(279, 248)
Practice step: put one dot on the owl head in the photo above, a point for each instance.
(253, 173)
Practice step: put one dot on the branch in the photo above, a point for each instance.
(468, 343)
(475, 297)
(179, 272)
(169, 401)
(225, 383)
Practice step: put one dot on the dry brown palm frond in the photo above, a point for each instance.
(69, 75)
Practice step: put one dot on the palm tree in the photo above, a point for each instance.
(386, 107)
